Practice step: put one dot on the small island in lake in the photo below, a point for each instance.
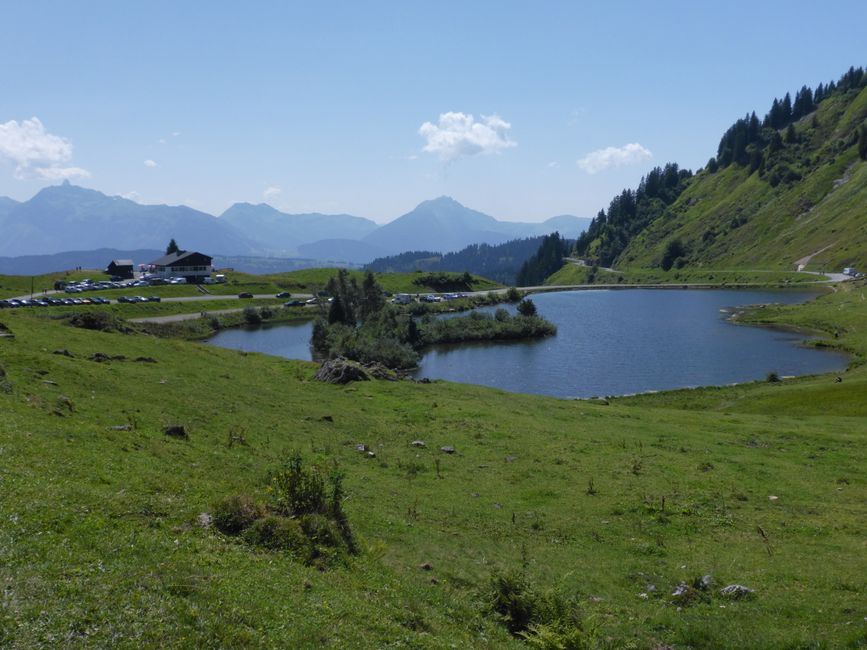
(362, 326)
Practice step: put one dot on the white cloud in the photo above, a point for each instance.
(161, 141)
(35, 152)
(553, 164)
(601, 159)
(150, 163)
(175, 134)
(271, 191)
(459, 135)
(60, 173)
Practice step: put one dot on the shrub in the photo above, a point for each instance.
(320, 530)
(527, 307)
(544, 619)
(513, 295)
(101, 321)
(513, 601)
(278, 534)
(673, 250)
(297, 490)
(266, 313)
(235, 514)
(252, 316)
(772, 378)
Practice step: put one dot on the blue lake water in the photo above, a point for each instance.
(608, 343)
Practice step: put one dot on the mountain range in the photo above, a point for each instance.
(68, 217)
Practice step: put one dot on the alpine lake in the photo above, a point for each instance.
(608, 342)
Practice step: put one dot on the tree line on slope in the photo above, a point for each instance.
(757, 145)
(500, 262)
(630, 212)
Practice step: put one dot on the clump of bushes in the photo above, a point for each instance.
(252, 316)
(545, 619)
(101, 321)
(235, 514)
(302, 516)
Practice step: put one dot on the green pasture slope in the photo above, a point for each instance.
(609, 506)
(571, 273)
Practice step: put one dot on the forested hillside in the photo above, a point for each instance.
(501, 262)
(785, 191)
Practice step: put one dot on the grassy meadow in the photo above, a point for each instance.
(571, 273)
(603, 508)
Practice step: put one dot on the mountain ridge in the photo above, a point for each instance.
(784, 192)
(66, 217)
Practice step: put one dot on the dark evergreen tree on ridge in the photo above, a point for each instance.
(173, 247)
(547, 260)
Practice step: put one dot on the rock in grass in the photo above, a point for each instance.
(101, 357)
(121, 427)
(417, 443)
(63, 406)
(447, 449)
(63, 352)
(736, 592)
(176, 431)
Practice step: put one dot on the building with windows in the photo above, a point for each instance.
(120, 269)
(194, 267)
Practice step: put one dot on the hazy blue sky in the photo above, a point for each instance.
(365, 107)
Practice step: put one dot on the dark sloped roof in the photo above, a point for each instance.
(173, 258)
(122, 262)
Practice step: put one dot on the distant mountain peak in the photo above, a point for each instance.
(442, 201)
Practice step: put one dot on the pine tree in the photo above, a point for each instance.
(172, 247)
(791, 134)
(336, 313)
(755, 160)
(862, 142)
(776, 143)
(344, 292)
(372, 299)
(786, 110)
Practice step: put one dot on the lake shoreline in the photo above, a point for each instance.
(629, 374)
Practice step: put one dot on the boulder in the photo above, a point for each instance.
(176, 431)
(736, 592)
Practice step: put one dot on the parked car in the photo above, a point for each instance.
(284, 294)
(293, 303)
(153, 299)
(245, 294)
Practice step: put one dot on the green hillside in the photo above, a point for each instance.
(581, 518)
(771, 198)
